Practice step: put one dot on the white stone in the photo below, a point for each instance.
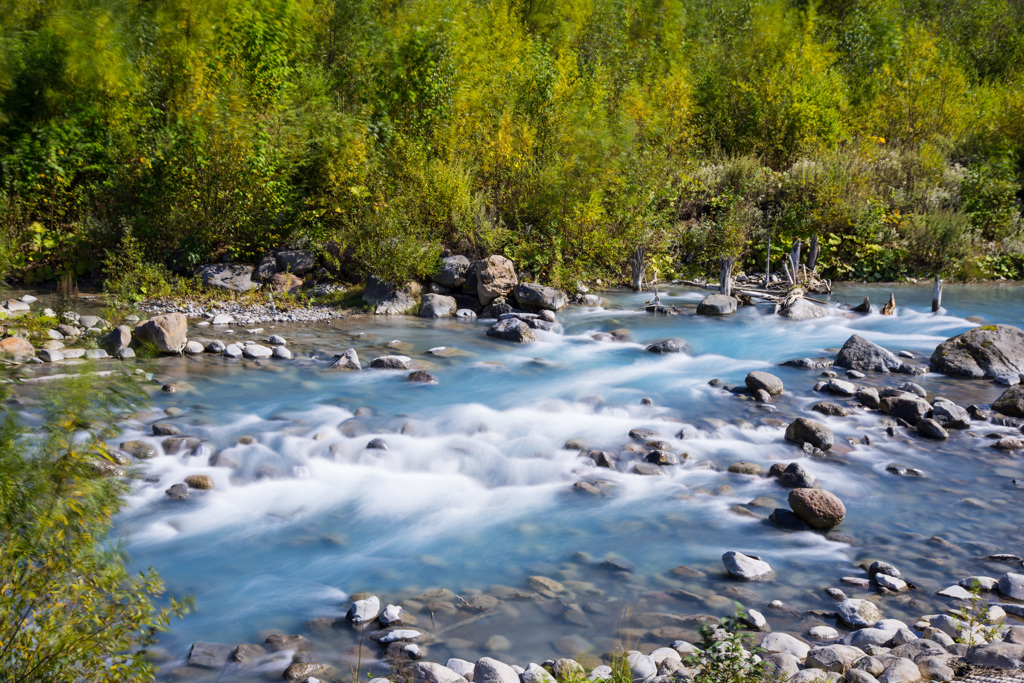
(257, 351)
(783, 642)
(641, 667)
(364, 610)
(50, 355)
(823, 633)
(1012, 585)
(223, 319)
(283, 353)
(193, 348)
(400, 634)
(957, 592)
(233, 351)
(745, 567)
(276, 340)
(858, 613)
(393, 615)
(489, 670)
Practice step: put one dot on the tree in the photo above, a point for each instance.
(70, 609)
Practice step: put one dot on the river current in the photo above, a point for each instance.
(475, 494)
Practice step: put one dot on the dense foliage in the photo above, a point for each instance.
(562, 133)
(70, 610)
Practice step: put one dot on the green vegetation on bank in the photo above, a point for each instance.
(70, 610)
(140, 137)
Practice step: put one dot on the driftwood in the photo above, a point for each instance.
(937, 295)
(890, 306)
(725, 266)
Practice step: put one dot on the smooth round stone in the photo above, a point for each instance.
(193, 348)
(823, 633)
(276, 340)
(283, 353)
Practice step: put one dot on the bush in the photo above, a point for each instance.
(69, 608)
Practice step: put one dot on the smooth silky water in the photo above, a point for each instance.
(476, 490)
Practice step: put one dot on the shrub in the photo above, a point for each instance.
(70, 610)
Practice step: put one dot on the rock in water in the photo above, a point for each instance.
(950, 415)
(392, 363)
(117, 339)
(860, 354)
(858, 613)
(167, 332)
(437, 306)
(803, 430)
(907, 407)
(513, 330)
(802, 309)
(347, 361)
(796, 476)
(1012, 585)
(363, 611)
(538, 297)
(716, 305)
(495, 276)
(863, 307)
(930, 429)
(747, 568)
(984, 352)
(1011, 402)
(670, 345)
(817, 507)
(764, 381)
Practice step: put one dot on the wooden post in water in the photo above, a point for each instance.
(768, 264)
(725, 265)
(812, 254)
(638, 264)
(937, 295)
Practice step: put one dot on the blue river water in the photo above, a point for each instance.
(475, 489)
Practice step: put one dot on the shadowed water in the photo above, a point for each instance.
(475, 489)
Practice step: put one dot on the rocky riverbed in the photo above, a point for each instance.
(612, 485)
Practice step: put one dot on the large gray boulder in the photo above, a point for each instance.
(533, 297)
(296, 261)
(495, 276)
(454, 270)
(437, 306)
(166, 332)
(513, 330)
(717, 304)
(950, 415)
(234, 277)
(803, 430)
(16, 348)
(866, 356)
(997, 656)
(990, 351)
(209, 655)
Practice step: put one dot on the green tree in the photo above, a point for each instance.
(70, 609)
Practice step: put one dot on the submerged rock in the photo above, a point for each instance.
(764, 381)
(670, 345)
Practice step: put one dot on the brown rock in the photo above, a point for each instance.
(167, 332)
(496, 276)
(285, 282)
(16, 348)
(199, 481)
(817, 507)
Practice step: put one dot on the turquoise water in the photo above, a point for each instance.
(475, 489)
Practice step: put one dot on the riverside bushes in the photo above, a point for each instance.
(562, 134)
(70, 609)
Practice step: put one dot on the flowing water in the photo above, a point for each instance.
(474, 492)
